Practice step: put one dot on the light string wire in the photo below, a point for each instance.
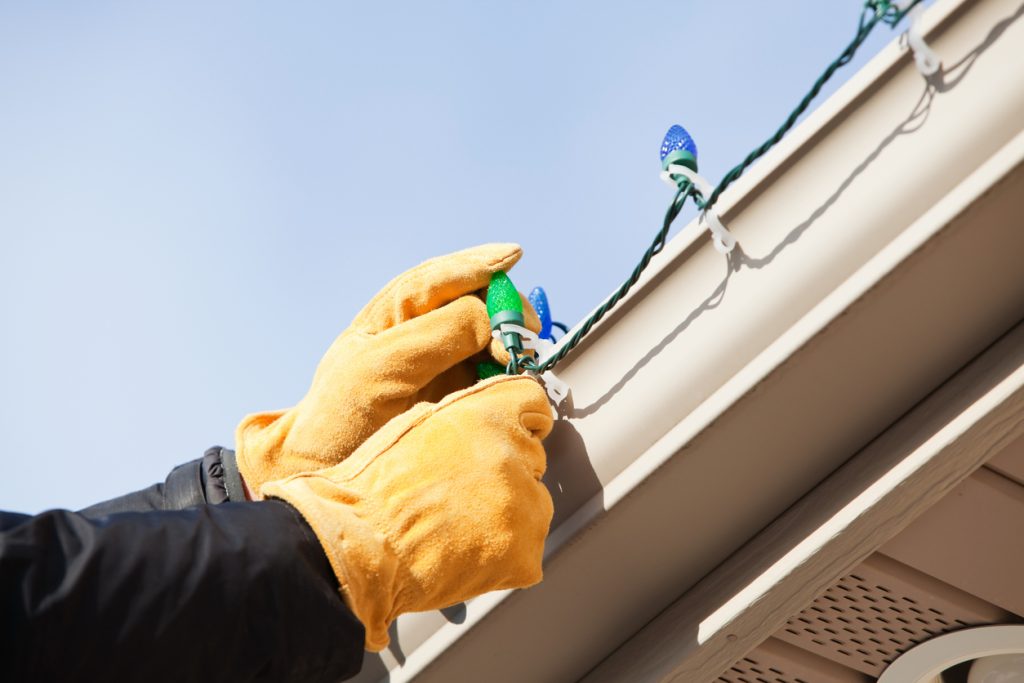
(873, 13)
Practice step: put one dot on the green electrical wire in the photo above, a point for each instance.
(685, 190)
(885, 12)
(873, 13)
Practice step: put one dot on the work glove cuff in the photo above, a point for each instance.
(259, 444)
(365, 564)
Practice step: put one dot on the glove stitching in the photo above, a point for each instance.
(409, 278)
(448, 401)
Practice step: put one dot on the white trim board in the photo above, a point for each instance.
(721, 393)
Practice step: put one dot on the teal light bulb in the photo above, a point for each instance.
(539, 301)
(678, 149)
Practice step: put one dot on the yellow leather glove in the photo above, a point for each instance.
(415, 341)
(442, 504)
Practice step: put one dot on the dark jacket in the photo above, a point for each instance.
(174, 583)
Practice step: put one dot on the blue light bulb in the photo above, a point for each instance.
(678, 148)
(539, 300)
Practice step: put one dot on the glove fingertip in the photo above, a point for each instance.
(499, 255)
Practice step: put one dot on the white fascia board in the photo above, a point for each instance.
(720, 392)
(915, 463)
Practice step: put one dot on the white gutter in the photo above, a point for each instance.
(829, 532)
(718, 394)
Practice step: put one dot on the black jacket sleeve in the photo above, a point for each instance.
(212, 479)
(231, 592)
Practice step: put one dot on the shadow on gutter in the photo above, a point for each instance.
(940, 82)
(739, 259)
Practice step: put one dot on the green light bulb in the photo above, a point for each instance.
(503, 296)
(488, 370)
(505, 306)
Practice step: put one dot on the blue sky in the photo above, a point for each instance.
(195, 198)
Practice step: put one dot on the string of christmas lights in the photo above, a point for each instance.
(679, 160)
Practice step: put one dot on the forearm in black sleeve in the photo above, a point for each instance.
(212, 479)
(233, 592)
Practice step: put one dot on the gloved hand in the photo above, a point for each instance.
(442, 504)
(415, 341)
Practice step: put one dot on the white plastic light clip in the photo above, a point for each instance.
(529, 337)
(720, 236)
(926, 59)
(557, 388)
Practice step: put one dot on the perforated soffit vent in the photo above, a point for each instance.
(751, 670)
(867, 619)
